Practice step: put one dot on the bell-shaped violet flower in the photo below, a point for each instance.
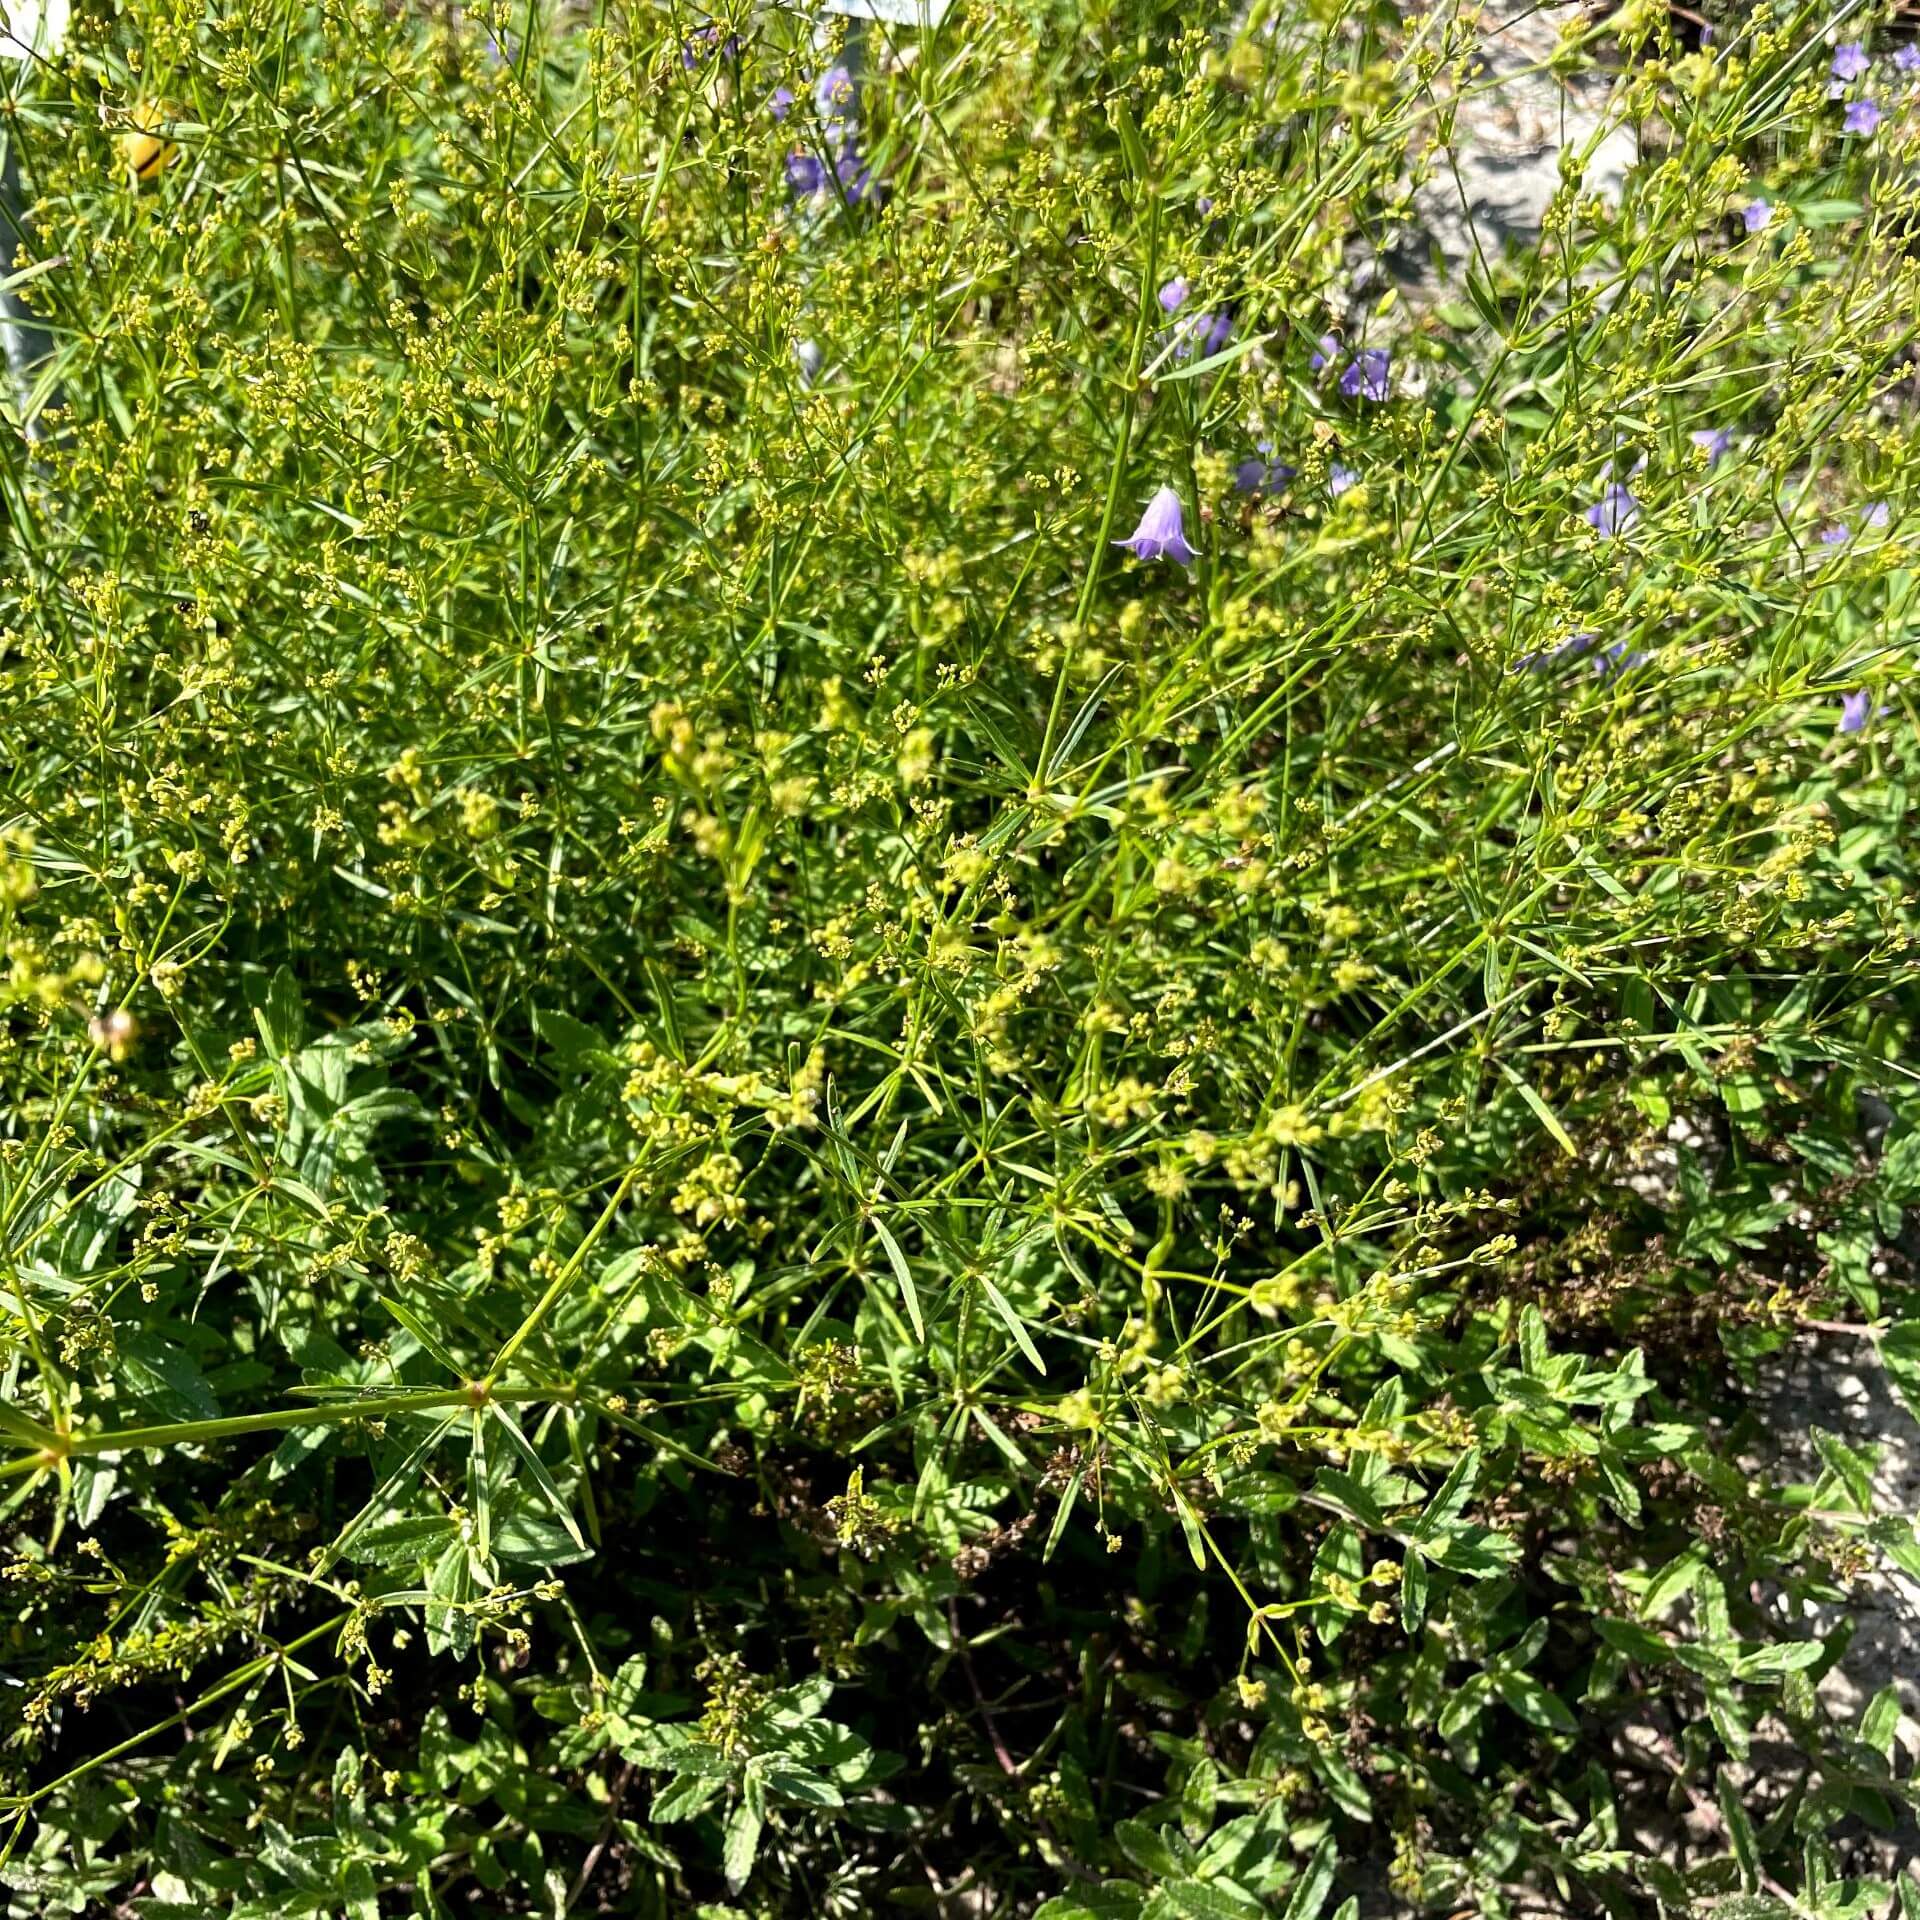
(1324, 354)
(854, 175)
(1614, 512)
(1850, 60)
(1162, 533)
(834, 94)
(1570, 648)
(1907, 58)
(1205, 334)
(1862, 117)
(805, 175)
(1856, 709)
(1173, 296)
(1369, 375)
(1876, 516)
(704, 43)
(836, 98)
(1755, 215)
(1835, 535)
(1263, 475)
(1619, 658)
(780, 102)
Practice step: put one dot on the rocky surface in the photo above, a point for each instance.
(1488, 194)
(1836, 1382)
(1491, 188)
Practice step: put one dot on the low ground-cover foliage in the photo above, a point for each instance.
(750, 1167)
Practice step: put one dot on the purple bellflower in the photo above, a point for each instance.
(1835, 536)
(1856, 709)
(1161, 534)
(1263, 475)
(780, 102)
(1614, 512)
(1206, 333)
(1327, 351)
(1850, 60)
(1173, 296)
(693, 51)
(1619, 658)
(837, 101)
(1862, 117)
(1907, 59)
(1756, 214)
(1876, 516)
(808, 175)
(1369, 375)
(834, 94)
(1570, 648)
(853, 173)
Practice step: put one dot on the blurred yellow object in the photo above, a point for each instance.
(144, 147)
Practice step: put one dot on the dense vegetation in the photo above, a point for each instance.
(898, 1017)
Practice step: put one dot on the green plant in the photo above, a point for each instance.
(677, 1049)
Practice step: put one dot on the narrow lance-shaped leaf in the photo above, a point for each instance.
(397, 1483)
(550, 1494)
(908, 1291)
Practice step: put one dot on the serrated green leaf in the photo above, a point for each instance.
(1148, 1848)
(1309, 1892)
(742, 1844)
(1746, 1846)
(1900, 1351)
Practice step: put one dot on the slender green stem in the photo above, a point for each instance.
(183, 1433)
(1117, 473)
(564, 1278)
(240, 1677)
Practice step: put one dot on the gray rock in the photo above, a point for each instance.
(1836, 1382)
(1490, 188)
